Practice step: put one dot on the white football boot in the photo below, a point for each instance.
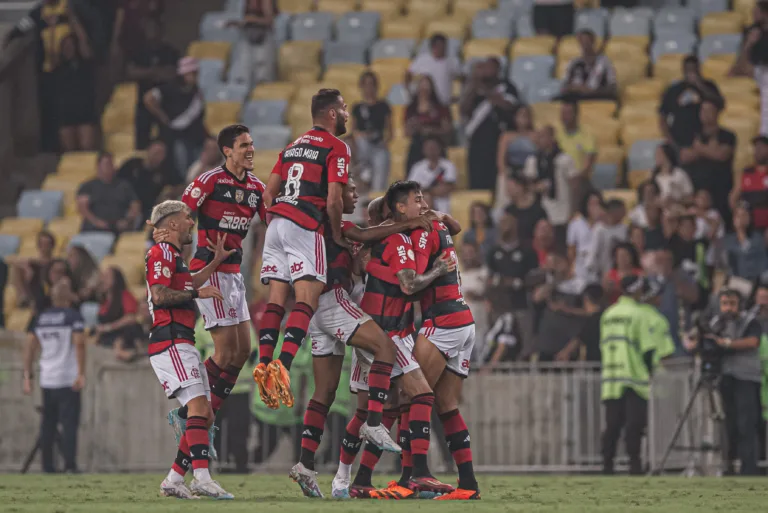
(210, 489)
(307, 480)
(179, 490)
(379, 436)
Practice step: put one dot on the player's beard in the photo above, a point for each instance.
(341, 126)
(187, 239)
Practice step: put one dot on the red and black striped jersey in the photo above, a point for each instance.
(442, 304)
(339, 273)
(383, 300)
(225, 205)
(305, 168)
(175, 324)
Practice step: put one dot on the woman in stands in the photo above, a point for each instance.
(626, 262)
(425, 116)
(481, 229)
(118, 326)
(515, 145)
(84, 272)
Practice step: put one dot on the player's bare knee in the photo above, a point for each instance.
(445, 404)
(415, 384)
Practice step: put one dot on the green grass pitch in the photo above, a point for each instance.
(138, 493)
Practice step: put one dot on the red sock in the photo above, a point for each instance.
(269, 331)
(197, 438)
(226, 382)
(418, 422)
(378, 390)
(312, 434)
(295, 331)
(404, 439)
(183, 459)
(350, 444)
(457, 438)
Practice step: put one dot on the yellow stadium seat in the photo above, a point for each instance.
(299, 56)
(598, 108)
(397, 166)
(458, 156)
(402, 28)
(64, 229)
(431, 10)
(19, 320)
(209, 50)
(398, 121)
(400, 145)
(538, 45)
(743, 157)
(305, 93)
(669, 67)
(390, 72)
(737, 86)
(303, 76)
(294, 6)
(27, 249)
(468, 8)
(605, 130)
(386, 8)
(485, 48)
(263, 162)
(56, 182)
(337, 6)
(631, 69)
(125, 92)
(640, 111)
(628, 196)
(546, 113)
(222, 113)
(639, 131)
(720, 23)
(274, 91)
(619, 47)
(746, 107)
(121, 142)
(21, 226)
(455, 28)
(131, 242)
(610, 154)
(115, 120)
(9, 299)
(77, 161)
(650, 89)
(344, 75)
(637, 176)
(744, 128)
(717, 66)
(745, 8)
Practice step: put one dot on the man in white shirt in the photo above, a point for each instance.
(435, 174)
(440, 66)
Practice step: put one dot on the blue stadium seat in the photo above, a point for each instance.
(312, 26)
(98, 244)
(704, 7)
(544, 91)
(213, 27)
(629, 22)
(282, 26)
(335, 52)
(9, 245)
(40, 204)
(492, 24)
(221, 92)
(272, 137)
(605, 176)
(454, 47)
(642, 155)
(398, 95)
(90, 313)
(264, 112)
(236, 7)
(669, 42)
(591, 19)
(524, 27)
(386, 48)
(719, 44)
(674, 19)
(516, 7)
(466, 68)
(532, 69)
(358, 27)
(211, 73)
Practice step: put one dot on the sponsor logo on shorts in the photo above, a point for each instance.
(166, 386)
(297, 267)
(465, 364)
(269, 269)
(340, 335)
(232, 313)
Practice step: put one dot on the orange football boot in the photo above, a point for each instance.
(280, 383)
(460, 494)
(393, 491)
(261, 377)
(427, 487)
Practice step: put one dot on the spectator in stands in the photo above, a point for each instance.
(210, 158)
(524, 205)
(581, 230)
(474, 276)
(117, 327)
(84, 272)
(130, 20)
(487, 105)
(503, 342)
(553, 17)
(254, 57)
(578, 143)
(587, 342)
(509, 263)
(648, 195)
(709, 223)
(590, 76)
(691, 255)
(744, 247)
(609, 232)
(673, 183)
(56, 270)
(152, 65)
(425, 116)
(28, 273)
(709, 159)
(372, 131)
(554, 175)
(515, 145)
(543, 242)
(435, 174)
(481, 230)
(107, 203)
(625, 262)
(438, 65)
(754, 184)
(753, 58)
(179, 107)
(150, 176)
(681, 102)
(75, 78)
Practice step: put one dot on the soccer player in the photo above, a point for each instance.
(226, 200)
(338, 321)
(172, 351)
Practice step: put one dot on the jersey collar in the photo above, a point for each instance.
(230, 173)
(171, 245)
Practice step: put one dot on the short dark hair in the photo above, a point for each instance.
(691, 59)
(46, 234)
(614, 203)
(573, 102)
(641, 189)
(584, 207)
(323, 100)
(437, 38)
(594, 293)
(228, 134)
(718, 102)
(587, 32)
(399, 191)
(368, 74)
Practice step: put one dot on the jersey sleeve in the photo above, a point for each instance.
(423, 248)
(338, 163)
(398, 254)
(277, 169)
(196, 192)
(159, 266)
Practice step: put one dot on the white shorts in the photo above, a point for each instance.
(181, 372)
(292, 252)
(362, 360)
(230, 312)
(335, 322)
(456, 345)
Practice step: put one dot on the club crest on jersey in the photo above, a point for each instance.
(239, 196)
(195, 193)
(166, 272)
(253, 200)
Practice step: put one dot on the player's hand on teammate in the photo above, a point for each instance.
(220, 253)
(160, 235)
(209, 292)
(446, 263)
(344, 243)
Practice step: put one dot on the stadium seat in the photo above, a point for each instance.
(389, 48)
(460, 204)
(64, 228)
(297, 56)
(669, 67)
(337, 7)
(516, 7)
(640, 131)
(398, 95)
(274, 137)
(532, 69)
(388, 9)
(736, 86)
(639, 110)
(546, 113)
(484, 48)
(636, 177)
(605, 130)
(282, 27)
(649, 89)
(213, 27)
(274, 91)
(745, 8)
(21, 226)
(125, 92)
(77, 160)
(295, 6)
(209, 50)
(468, 8)
(721, 23)
(264, 112)
(605, 176)
(98, 244)
(401, 28)
(358, 27)
(671, 42)
(431, 10)
(524, 27)
(458, 155)
(222, 114)
(491, 24)
(591, 19)
(680, 20)
(454, 28)
(211, 72)
(89, 311)
(629, 22)
(222, 92)
(339, 52)
(312, 26)
(703, 7)
(719, 44)
(454, 47)
(544, 91)
(40, 204)
(470, 63)
(236, 7)
(610, 154)
(539, 45)
(120, 143)
(9, 244)
(630, 69)
(342, 75)
(568, 48)
(19, 320)
(642, 154)
(718, 67)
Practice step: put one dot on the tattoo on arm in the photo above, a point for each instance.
(411, 283)
(164, 297)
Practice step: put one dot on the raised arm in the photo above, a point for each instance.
(374, 233)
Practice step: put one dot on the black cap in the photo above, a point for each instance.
(633, 284)
(762, 138)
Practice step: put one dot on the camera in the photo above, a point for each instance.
(708, 329)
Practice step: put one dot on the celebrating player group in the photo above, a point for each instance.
(405, 255)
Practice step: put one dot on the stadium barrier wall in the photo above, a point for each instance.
(525, 417)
